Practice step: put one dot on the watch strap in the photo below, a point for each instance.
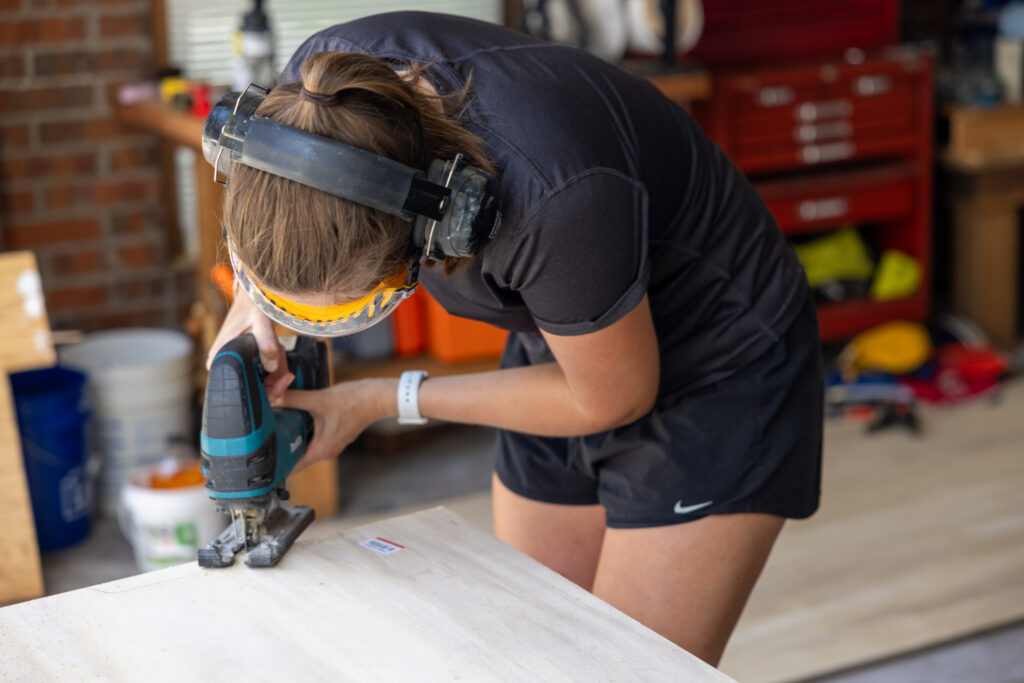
(409, 397)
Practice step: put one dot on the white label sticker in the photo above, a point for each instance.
(382, 545)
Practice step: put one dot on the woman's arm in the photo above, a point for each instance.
(600, 381)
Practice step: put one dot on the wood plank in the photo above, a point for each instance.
(986, 230)
(919, 540)
(984, 137)
(158, 30)
(25, 344)
(453, 603)
(985, 265)
(209, 203)
(21, 576)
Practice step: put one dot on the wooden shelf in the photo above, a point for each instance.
(680, 84)
(175, 125)
(392, 367)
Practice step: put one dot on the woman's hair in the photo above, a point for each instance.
(296, 239)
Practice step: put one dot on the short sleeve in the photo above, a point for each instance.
(581, 260)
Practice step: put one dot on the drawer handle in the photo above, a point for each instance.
(812, 132)
(811, 210)
(832, 151)
(775, 96)
(828, 109)
(869, 86)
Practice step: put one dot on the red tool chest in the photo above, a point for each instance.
(836, 142)
(745, 31)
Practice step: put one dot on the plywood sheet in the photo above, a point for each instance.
(919, 540)
(24, 344)
(21, 576)
(453, 603)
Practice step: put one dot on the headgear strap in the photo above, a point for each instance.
(326, 100)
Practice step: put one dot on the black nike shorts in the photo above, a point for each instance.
(748, 443)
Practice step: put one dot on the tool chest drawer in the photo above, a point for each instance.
(820, 120)
(784, 118)
(884, 194)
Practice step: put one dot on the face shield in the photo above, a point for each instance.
(336, 320)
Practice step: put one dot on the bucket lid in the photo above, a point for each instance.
(129, 348)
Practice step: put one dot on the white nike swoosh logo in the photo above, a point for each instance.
(680, 510)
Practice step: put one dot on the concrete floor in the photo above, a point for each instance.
(996, 656)
(451, 466)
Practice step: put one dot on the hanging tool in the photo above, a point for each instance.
(254, 50)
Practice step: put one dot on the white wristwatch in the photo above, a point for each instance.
(409, 397)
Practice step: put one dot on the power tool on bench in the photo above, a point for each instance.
(249, 448)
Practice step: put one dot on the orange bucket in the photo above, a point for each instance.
(452, 339)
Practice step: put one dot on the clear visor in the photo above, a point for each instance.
(336, 320)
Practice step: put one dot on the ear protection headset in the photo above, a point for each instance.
(454, 208)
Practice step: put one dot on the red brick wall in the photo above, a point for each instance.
(77, 187)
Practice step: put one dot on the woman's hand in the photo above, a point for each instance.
(340, 413)
(244, 317)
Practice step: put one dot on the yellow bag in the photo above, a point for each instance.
(841, 255)
(898, 275)
(897, 347)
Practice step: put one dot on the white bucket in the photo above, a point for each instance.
(167, 526)
(140, 385)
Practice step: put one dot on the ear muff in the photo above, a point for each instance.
(472, 215)
(454, 207)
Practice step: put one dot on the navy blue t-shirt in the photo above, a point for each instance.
(608, 189)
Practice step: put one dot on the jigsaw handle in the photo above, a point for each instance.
(308, 362)
(236, 404)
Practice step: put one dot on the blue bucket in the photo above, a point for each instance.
(53, 441)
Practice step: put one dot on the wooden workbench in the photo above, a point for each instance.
(449, 603)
